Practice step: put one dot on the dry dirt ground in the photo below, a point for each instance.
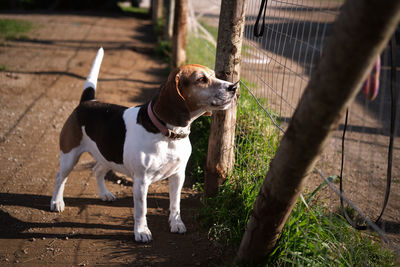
(40, 84)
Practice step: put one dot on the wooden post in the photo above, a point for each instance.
(179, 36)
(156, 9)
(360, 34)
(169, 20)
(220, 156)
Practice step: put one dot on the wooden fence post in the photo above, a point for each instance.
(156, 10)
(220, 156)
(169, 20)
(360, 33)
(179, 36)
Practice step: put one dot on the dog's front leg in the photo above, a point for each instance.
(175, 188)
(142, 232)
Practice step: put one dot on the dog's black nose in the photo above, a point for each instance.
(233, 87)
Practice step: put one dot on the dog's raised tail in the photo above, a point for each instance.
(89, 88)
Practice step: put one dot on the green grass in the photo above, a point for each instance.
(312, 236)
(199, 51)
(211, 29)
(12, 28)
(134, 10)
(227, 214)
(315, 237)
(200, 130)
(163, 48)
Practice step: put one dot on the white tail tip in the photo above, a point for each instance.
(91, 80)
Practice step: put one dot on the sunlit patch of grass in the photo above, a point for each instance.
(12, 28)
(134, 10)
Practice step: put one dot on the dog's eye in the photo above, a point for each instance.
(202, 79)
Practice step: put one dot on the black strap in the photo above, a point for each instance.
(393, 81)
(263, 7)
(346, 215)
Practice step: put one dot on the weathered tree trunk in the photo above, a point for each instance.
(359, 36)
(179, 36)
(220, 156)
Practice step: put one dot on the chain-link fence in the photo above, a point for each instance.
(275, 70)
(279, 64)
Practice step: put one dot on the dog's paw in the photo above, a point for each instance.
(143, 236)
(57, 205)
(177, 226)
(107, 196)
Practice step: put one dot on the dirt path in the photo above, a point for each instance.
(40, 86)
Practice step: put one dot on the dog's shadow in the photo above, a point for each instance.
(116, 228)
(110, 176)
(12, 227)
(118, 179)
(42, 202)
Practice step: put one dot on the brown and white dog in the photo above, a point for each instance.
(148, 142)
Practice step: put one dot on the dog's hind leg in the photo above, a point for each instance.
(67, 163)
(100, 172)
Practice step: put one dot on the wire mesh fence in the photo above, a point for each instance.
(275, 70)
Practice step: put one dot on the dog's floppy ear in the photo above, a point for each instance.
(170, 106)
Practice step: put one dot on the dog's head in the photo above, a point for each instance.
(190, 91)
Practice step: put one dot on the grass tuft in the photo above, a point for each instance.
(12, 28)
